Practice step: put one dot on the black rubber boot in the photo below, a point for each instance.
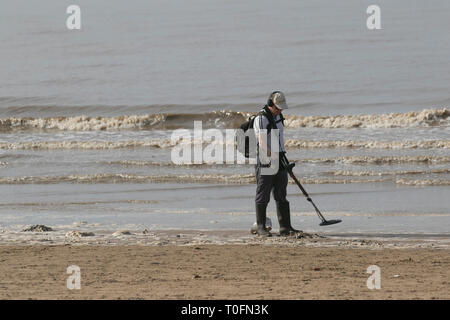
(284, 218)
(261, 220)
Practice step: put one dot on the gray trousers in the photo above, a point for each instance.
(266, 183)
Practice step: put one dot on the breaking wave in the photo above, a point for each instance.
(427, 117)
(87, 145)
(130, 178)
(168, 143)
(224, 119)
(425, 182)
(217, 119)
(356, 160)
(386, 173)
(379, 160)
(71, 203)
(144, 163)
(370, 144)
(203, 178)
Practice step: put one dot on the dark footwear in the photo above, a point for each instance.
(284, 218)
(261, 220)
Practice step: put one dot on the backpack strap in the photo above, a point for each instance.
(272, 124)
(281, 119)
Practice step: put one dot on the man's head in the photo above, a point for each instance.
(277, 102)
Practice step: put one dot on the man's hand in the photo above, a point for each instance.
(285, 162)
(289, 166)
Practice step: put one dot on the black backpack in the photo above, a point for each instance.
(243, 139)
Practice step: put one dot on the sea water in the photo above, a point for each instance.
(87, 116)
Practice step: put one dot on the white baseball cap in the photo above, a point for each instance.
(279, 100)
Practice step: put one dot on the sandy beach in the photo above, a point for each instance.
(197, 265)
(119, 153)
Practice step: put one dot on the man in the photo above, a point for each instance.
(270, 118)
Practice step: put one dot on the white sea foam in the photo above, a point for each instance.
(370, 144)
(379, 160)
(226, 119)
(167, 143)
(387, 173)
(88, 145)
(124, 178)
(356, 160)
(427, 117)
(424, 182)
(202, 178)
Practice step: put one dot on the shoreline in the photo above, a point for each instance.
(181, 237)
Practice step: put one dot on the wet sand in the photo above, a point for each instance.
(277, 268)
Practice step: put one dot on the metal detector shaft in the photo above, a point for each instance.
(285, 163)
(306, 194)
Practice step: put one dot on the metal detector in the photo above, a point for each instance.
(288, 166)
